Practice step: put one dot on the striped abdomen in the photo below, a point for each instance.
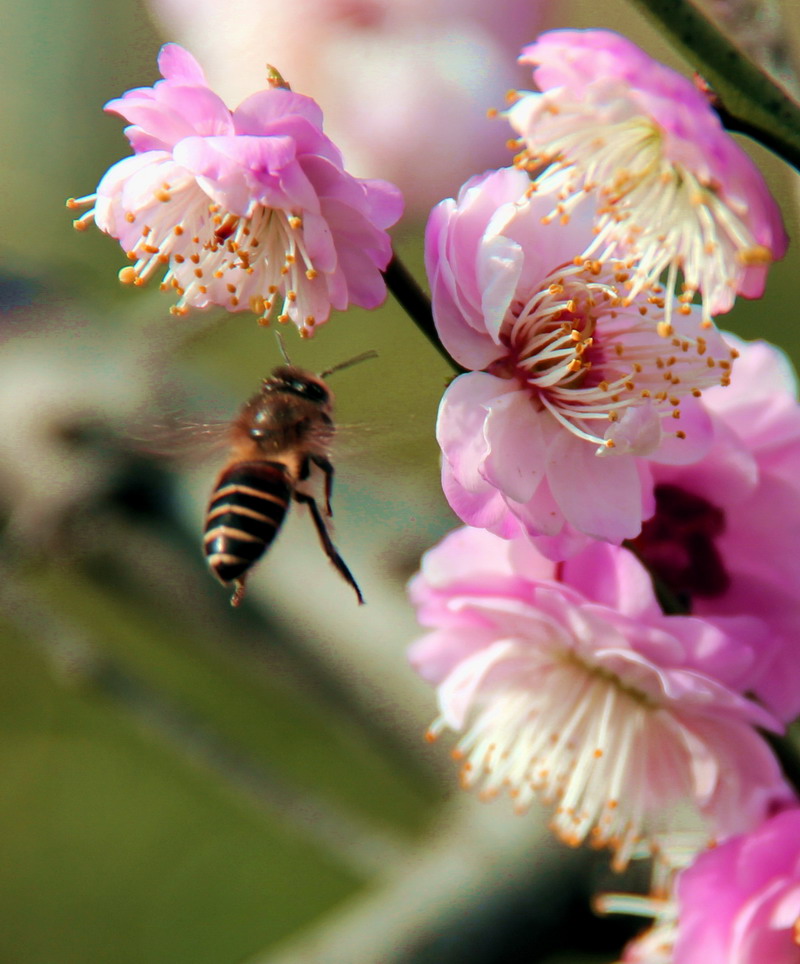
(246, 511)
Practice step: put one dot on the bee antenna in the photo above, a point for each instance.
(282, 347)
(364, 356)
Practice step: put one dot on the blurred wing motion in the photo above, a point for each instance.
(182, 439)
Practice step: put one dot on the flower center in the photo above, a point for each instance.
(582, 754)
(258, 261)
(589, 356)
(678, 544)
(652, 211)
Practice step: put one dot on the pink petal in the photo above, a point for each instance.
(437, 654)
(385, 202)
(203, 112)
(600, 495)
(615, 579)
(458, 690)
(696, 423)
(260, 112)
(165, 125)
(517, 448)
(458, 321)
(179, 66)
(235, 171)
(460, 424)
(499, 268)
(481, 505)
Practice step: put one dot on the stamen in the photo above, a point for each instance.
(586, 360)
(214, 254)
(699, 233)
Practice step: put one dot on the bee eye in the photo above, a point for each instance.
(309, 390)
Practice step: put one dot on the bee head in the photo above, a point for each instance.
(297, 381)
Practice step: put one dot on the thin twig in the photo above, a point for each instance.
(752, 102)
(413, 300)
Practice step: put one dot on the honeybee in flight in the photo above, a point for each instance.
(276, 438)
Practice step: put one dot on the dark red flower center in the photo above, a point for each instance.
(678, 544)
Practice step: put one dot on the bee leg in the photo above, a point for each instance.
(238, 592)
(325, 539)
(321, 462)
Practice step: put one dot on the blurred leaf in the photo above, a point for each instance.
(262, 710)
(116, 851)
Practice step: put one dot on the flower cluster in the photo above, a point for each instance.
(250, 209)
(576, 387)
(615, 632)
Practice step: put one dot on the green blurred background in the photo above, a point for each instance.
(180, 782)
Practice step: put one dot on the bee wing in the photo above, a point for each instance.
(345, 440)
(182, 439)
(352, 439)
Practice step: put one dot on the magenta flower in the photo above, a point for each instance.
(725, 534)
(581, 386)
(250, 210)
(673, 191)
(739, 903)
(567, 683)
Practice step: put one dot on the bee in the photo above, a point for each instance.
(275, 440)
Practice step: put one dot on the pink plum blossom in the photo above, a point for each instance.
(673, 191)
(566, 682)
(404, 84)
(576, 387)
(725, 534)
(739, 903)
(250, 209)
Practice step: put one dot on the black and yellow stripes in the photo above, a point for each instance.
(246, 511)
